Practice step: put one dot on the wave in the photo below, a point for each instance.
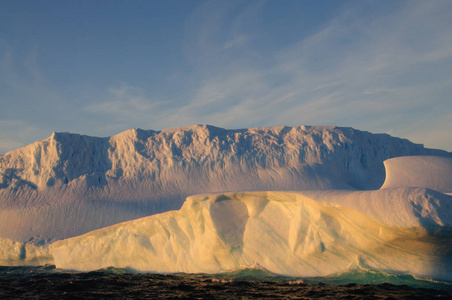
(362, 275)
(250, 283)
(356, 274)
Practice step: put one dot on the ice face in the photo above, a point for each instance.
(312, 233)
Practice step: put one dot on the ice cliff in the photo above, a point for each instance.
(311, 233)
(69, 184)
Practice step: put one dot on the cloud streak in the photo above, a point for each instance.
(383, 75)
(380, 66)
(127, 105)
(17, 133)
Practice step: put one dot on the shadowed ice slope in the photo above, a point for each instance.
(69, 184)
(293, 233)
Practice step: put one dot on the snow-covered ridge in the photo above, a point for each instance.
(95, 182)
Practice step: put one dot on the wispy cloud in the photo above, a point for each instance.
(29, 104)
(382, 66)
(18, 133)
(127, 105)
(381, 73)
(236, 42)
(23, 75)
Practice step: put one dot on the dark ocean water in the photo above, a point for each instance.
(46, 282)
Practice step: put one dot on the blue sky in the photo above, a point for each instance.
(102, 67)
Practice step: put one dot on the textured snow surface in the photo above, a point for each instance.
(69, 184)
(431, 172)
(309, 233)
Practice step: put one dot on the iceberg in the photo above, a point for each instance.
(313, 233)
(71, 184)
(401, 230)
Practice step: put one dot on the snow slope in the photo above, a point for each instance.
(69, 184)
(432, 172)
(308, 233)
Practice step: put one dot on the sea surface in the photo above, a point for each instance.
(47, 282)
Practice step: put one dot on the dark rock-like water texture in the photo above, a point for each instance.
(49, 283)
